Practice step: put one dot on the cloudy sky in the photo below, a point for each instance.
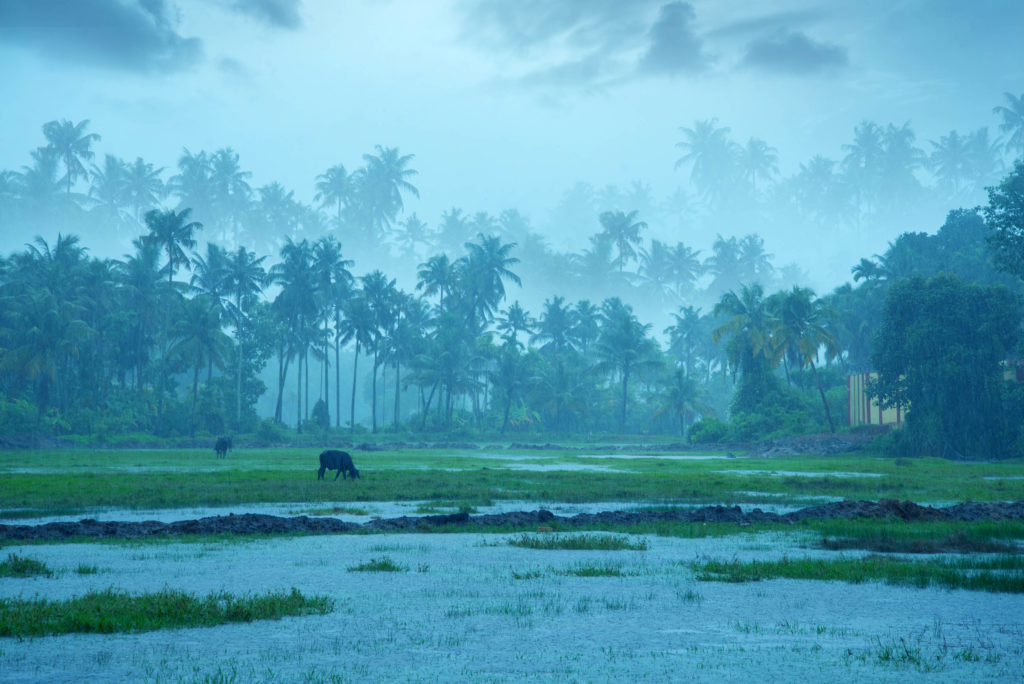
(505, 103)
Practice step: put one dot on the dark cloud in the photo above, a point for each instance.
(794, 53)
(525, 25)
(277, 13)
(766, 23)
(674, 46)
(128, 35)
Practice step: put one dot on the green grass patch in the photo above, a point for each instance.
(382, 564)
(73, 481)
(1004, 574)
(84, 569)
(895, 536)
(593, 570)
(578, 542)
(20, 566)
(110, 611)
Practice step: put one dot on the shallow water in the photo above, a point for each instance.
(457, 614)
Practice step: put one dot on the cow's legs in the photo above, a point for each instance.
(320, 473)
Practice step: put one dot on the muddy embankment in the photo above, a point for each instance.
(251, 523)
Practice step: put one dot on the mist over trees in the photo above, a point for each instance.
(236, 308)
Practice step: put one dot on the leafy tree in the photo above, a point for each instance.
(1004, 215)
(939, 356)
(199, 340)
(749, 325)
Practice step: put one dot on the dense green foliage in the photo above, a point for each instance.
(175, 340)
(940, 352)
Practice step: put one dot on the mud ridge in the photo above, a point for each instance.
(252, 523)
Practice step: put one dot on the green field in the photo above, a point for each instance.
(76, 481)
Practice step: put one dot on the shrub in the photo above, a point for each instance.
(708, 431)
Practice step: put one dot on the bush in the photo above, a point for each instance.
(708, 431)
(269, 432)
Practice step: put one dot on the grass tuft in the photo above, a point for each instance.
(1002, 574)
(110, 611)
(578, 542)
(20, 566)
(382, 564)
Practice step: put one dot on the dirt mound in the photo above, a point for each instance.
(251, 523)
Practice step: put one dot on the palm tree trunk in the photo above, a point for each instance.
(337, 382)
(327, 387)
(195, 395)
(828, 412)
(625, 387)
(355, 374)
(398, 392)
(426, 407)
(373, 395)
(298, 393)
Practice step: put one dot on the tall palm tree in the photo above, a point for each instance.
(683, 336)
(515, 320)
(1013, 122)
(230, 189)
(358, 325)
(380, 294)
(335, 187)
(436, 276)
(800, 326)
(109, 190)
(199, 340)
(142, 284)
(750, 349)
(192, 182)
(244, 280)
(758, 159)
(487, 267)
(173, 233)
(142, 185)
(382, 184)
(72, 144)
(296, 307)
(624, 230)
(554, 327)
(624, 347)
(333, 286)
(712, 156)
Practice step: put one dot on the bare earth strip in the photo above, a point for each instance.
(252, 523)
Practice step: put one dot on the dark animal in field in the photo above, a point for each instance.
(336, 460)
(222, 446)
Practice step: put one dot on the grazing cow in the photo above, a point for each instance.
(222, 446)
(336, 460)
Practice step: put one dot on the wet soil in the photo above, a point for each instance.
(252, 523)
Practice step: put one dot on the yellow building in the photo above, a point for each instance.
(862, 409)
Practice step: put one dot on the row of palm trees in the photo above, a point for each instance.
(75, 331)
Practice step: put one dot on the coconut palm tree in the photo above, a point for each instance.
(173, 233)
(712, 156)
(487, 267)
(243, 281)
(800, 326)
(382, 184)
(335, 187)
(142, 186)
(436, 276)
(758, 159)
(109, 191)
(358, 325)
(333, 287)
(230, 190)
(750, 348)
(192, 182)
(199, 340)
(624, 231)
(72, 145)
(554, 327)
(1013, 122)
(624, 348)
(296, 307)
(515, 320)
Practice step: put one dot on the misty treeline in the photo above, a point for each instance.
(174, 339)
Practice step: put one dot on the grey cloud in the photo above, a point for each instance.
(524, 25)
(793, 53)
(674, 46)
(127, 35)
(766, 23)
(277, 13)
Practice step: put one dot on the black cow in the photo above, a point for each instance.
(336, 460)
(222, 446)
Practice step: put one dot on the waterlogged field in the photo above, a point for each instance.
(817, 601)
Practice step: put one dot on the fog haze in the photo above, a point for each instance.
(509, 105)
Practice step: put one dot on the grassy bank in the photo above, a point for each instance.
(73, 481)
